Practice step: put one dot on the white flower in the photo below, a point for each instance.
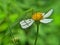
(37, 17)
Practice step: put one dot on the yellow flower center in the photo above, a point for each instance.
(37, 16)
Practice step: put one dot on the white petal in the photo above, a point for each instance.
(24, 26)
(26, 23)
(43, 14)
(48, 13)
(46, 20)
(22, 22)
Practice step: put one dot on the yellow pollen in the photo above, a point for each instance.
(37, 16)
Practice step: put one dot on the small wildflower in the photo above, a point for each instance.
(41, 17)
(15, 39)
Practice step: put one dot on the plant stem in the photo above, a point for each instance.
(37, 34)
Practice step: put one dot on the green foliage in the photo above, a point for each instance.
(13, 11)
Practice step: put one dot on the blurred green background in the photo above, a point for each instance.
(13, 11)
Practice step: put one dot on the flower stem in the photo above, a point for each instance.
(37, 34)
